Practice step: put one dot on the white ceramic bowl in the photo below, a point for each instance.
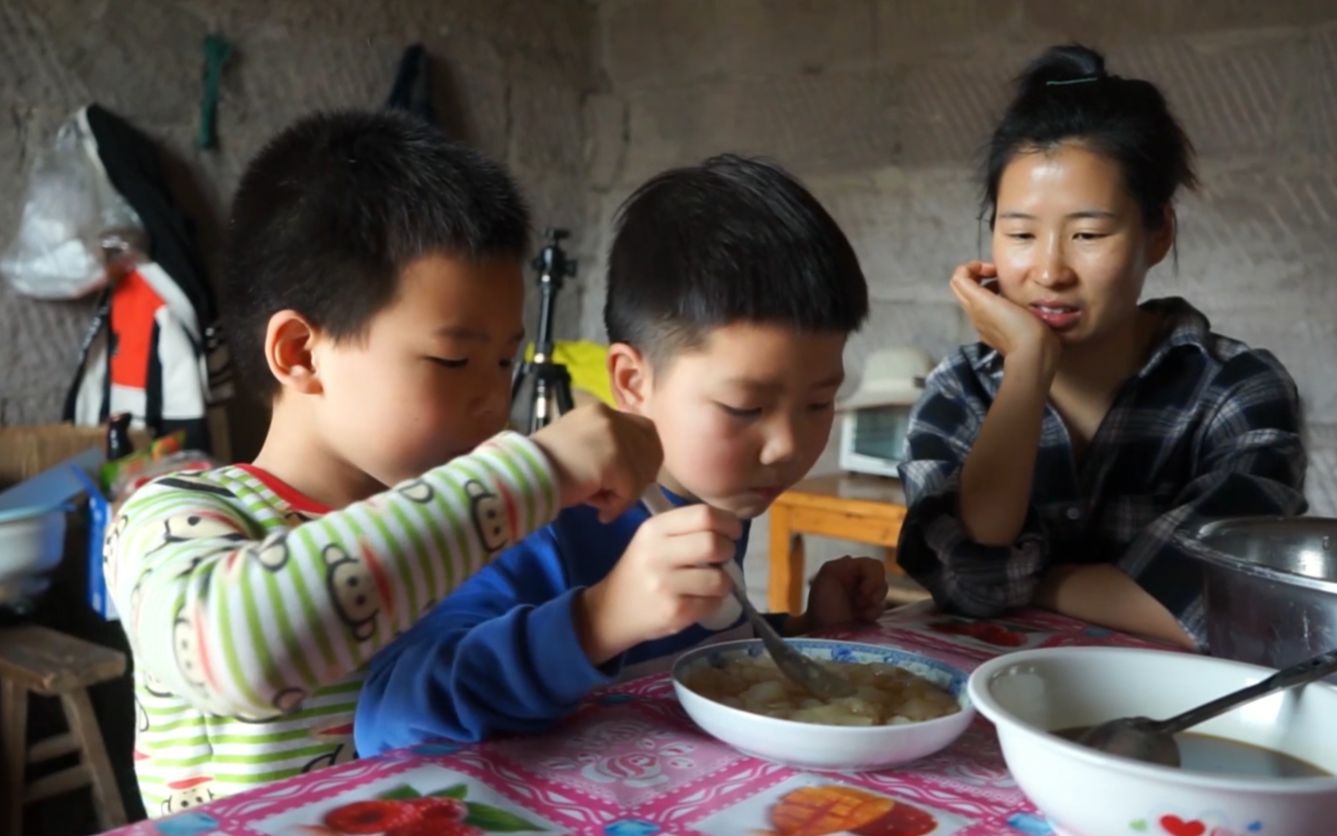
(1087, 793)
(816, 746)
(31, 543)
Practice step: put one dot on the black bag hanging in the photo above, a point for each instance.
(412, 88)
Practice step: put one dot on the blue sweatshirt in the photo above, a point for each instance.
(500, 653)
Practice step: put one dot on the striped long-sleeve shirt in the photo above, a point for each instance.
(252, 611)
(1206, 428)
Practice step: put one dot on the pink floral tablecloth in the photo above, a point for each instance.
(630, 763)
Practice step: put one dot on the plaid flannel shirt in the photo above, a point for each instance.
(1207, 428)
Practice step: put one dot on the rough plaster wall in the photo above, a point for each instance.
(509, 76)
(877, 104)
(881, 106)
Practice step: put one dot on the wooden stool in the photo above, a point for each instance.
(52, 664)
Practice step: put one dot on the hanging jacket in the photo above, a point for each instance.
(153, 348)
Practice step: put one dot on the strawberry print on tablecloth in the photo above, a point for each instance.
(419, 802)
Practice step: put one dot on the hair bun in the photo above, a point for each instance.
(1062, 64)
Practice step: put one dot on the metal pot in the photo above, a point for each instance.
(1270, 586)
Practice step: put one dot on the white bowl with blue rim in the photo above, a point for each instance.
(815, 745)
(1032, 693)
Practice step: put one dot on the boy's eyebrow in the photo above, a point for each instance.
(767, 386)
(464, 332)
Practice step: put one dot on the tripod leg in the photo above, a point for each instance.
(564, 402)
(538, 410)
(523, 399)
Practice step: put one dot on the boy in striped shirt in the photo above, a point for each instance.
(375, 283)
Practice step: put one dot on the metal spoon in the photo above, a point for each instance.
(816, 679)
(1144, 739)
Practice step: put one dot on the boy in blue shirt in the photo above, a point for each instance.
(731, 293)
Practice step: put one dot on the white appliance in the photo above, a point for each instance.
(875, 417)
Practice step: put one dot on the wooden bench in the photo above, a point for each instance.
(47, 663)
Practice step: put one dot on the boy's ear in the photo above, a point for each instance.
(289, 350)
(630, 375)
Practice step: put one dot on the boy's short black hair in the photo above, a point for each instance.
(331, 211)
(730, 240)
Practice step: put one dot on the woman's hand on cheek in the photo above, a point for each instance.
(1004, 325)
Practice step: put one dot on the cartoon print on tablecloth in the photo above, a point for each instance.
(1209, 823)
(961, 769)
(833, 808)
(1155, 824)
(190, 823)
(400, 808)
(639, 769)
(810, 805)
(632, 827)
(618, 755)
(1030, 824)
(352, 587)
(488, 512)
(992, 633)
(187, 793)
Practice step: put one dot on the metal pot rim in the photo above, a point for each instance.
(1202, 551)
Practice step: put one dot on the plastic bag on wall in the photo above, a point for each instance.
(72, 219)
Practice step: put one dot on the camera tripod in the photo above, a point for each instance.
(541, 389)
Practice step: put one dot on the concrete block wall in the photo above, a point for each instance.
(509, 76)
(879, 105)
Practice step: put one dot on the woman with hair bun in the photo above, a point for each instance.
(1053, 462)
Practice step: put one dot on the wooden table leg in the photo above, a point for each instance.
(889, 560)
(14, 746)
(798, 564)
(784, 592)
